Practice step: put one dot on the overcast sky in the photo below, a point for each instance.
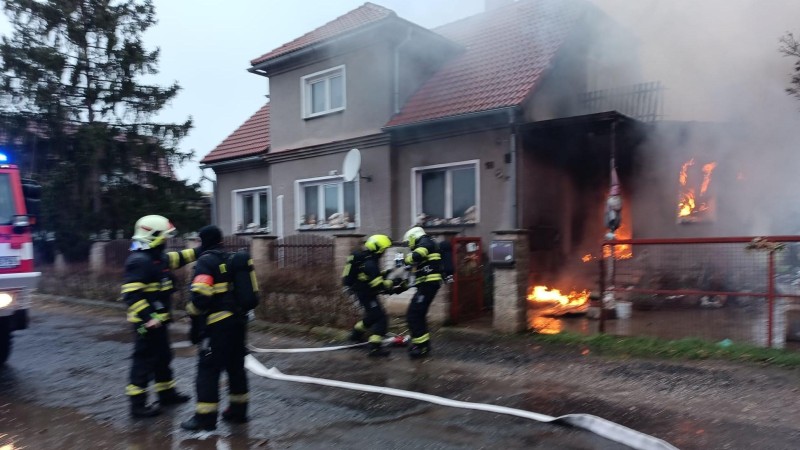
(207, 46)
(691, 45)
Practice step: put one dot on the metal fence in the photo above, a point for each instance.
(303, 250)
(641, 101)
(116, 251)
(741, 289)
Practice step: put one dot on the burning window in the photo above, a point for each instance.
(696, 201)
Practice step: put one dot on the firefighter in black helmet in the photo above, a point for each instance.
(223, 292)
(148, 283)
(362, 275)
(426, 261)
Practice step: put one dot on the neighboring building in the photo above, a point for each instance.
(503, 120)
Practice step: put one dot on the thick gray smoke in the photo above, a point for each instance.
(721, 65)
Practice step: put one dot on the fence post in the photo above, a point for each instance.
(97, 256)
(261, 247)
(511, 285)
(770, 297)
(343, 245)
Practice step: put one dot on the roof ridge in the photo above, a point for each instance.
(337, 26)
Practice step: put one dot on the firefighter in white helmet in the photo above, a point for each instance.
(426, 260)
(147, 286)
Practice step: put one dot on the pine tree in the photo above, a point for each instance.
(790, 47)
(76, 68)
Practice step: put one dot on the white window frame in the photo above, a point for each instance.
(323, 75)
(416, 188)
(237, 214)
(299, 201)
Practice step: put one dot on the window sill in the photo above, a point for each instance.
(351, 226)
(446, 224)
(247, 233)
(323, 114)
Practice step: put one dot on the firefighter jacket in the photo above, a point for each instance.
(426, 260)
(148, 282)
(363, 275)
(220, 288)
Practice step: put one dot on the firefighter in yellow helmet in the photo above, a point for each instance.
(147, 286)
(362, 275)
(426, 261)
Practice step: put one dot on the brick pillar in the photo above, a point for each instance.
(511, 285)
(261, 248)
(343, 245)
(440, 307)
(97, 256)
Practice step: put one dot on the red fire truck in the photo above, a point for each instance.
(17, 275)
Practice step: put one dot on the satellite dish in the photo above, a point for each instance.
(352, 165)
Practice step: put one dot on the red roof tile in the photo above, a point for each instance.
(507, 51)
(364, 14)
(251, 138)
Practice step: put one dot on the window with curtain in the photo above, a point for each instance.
(447, 194)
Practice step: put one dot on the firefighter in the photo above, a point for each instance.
(148, 284)
(425, 260)
(362, 276)
(223, 292)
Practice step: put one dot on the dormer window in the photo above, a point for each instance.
(323, 92)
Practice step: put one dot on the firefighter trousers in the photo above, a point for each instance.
(416, 315)
(152, 356)
(222, 350)
(374, 315)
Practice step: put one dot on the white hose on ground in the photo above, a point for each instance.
(392, 339)
(597, 425)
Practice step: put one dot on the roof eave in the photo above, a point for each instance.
(453, 118)
(229, 162)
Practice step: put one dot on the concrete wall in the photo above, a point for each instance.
(487, 147)
(368, 92)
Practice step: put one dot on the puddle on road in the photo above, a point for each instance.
(25, 426)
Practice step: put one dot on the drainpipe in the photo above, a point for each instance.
(512, 171)
(396, 93)
(213, 182)
(279, 221)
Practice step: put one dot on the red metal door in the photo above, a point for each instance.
(467, 301)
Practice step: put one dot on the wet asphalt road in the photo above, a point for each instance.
(63, 389)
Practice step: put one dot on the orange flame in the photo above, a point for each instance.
(691, 203)
(557, 302)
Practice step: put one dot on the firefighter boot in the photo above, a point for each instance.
(421, 350)
(235, 413)
(172, 397)
(376, 348)
(140, 408)
(357, 333)
(201, 422)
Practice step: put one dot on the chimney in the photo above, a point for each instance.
(489, 5)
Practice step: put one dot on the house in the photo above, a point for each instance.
(504, 120)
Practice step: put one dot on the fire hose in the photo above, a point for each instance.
(597, 425)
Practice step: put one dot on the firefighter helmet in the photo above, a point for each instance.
(412, 236)
(152, 231)
(378, 243)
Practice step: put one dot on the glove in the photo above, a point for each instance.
(196, 330)
(400, 286)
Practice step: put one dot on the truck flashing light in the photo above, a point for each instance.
(3, 158)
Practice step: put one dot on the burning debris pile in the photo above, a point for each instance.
(551, 302)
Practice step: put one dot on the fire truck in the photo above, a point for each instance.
(18, 200)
